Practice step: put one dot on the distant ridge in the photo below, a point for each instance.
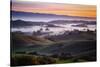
(20, 13)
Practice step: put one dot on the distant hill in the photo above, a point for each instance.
(21, 23)
(43, 16)
(73, 21)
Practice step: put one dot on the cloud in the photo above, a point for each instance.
(55, 8)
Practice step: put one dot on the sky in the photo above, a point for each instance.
(84, 8)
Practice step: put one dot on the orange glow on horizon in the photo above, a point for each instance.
(59, 9)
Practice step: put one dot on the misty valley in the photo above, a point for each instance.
(52, 42)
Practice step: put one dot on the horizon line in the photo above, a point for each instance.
(55, 14)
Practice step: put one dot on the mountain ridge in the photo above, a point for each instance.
(30, 13)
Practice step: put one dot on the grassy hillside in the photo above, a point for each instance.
(20, 40)
(34, 50)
